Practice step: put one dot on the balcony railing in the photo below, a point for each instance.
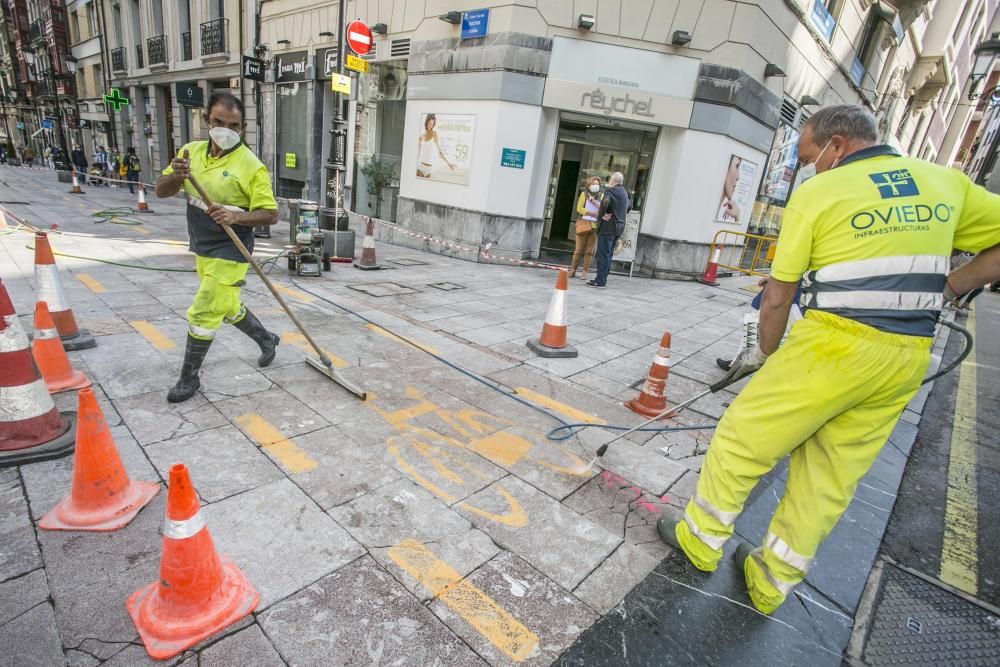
(138, 57)
(36, 31)
(118, 59)
(45, 87)
(213, 36)
(186, 46)
(157, 47)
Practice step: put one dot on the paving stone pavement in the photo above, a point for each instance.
(434, 524)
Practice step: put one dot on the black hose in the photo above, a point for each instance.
(966, 351)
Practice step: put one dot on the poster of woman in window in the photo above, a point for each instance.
(734, 204)
(444, 149)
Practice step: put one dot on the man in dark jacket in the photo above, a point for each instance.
(79, 160)
(611, 215)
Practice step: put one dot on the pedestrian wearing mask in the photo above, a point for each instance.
(610, 226)
(587, 207)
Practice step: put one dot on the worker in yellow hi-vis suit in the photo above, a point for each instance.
(870, 237)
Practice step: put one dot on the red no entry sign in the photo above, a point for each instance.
(359, 37)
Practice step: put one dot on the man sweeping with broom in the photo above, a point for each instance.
(239, 185)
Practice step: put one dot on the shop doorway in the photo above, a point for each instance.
(590, 146)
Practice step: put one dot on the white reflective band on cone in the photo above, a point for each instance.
(50, 288)
(713, 542)
(46, 334)
(557, 309)
(785, 553)
(662, 357)
(201, 332)
(368, 242)
(12, 339)
(784, 587)
(880, 300)
(723, 517)
(184, 528)
(24, 402)
(882, 266)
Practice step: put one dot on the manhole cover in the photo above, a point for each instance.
(916, 622)
(406, 261)
(383, 289)
(447, 287)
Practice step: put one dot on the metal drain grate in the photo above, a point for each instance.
(447, 287)
(916, 622)
(406, 261)
(383, 289)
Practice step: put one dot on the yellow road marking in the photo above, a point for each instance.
(472, 604)
(294, 293)
(140, 229)
(156, 337)
(299, 341)
(412, 343)
(169, 242)
(92, 284)
(959, 547)
(562, 408)
(505, 449)
(273, 442)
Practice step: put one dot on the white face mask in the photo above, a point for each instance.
(224, 138)
(809, 170)
(595, 188)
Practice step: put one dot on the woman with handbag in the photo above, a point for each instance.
(586, 226)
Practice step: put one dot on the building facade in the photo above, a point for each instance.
(485, 133)
(39, 85)
(167, 57)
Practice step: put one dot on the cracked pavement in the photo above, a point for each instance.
(434, 523)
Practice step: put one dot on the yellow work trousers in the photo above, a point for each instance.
(218, 296)
(830, 397)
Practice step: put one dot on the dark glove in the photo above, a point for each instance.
(746, 363)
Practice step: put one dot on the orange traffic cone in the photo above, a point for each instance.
(50, 357)
(552, 342)
(142, 206)
(31, 429)
(652, 400)
(198, 592)
(712, 269)
(3, 219)
(50, 290)
(368, 261)
(102, 497)
(75, 190)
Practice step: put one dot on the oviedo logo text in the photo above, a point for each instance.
(598, 100)
(911, 213)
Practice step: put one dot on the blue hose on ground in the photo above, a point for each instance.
(570, 429)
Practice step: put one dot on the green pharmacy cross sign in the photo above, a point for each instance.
(116, 99)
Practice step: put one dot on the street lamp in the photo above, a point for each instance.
(71, 65)
(985, 56)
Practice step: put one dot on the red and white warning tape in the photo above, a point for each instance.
(483, 251)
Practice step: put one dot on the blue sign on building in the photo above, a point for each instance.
(48, 123)
(513, 158)
(475, 23)
(823, 20)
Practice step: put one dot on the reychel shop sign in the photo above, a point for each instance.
(620, 82)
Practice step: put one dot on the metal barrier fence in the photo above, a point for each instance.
(747, 253)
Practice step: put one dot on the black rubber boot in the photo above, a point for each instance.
(667, 527)
(189, 383)
(268, 341)
(724, 364)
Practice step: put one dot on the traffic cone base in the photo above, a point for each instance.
(50, 356)
(542, 350)
(165, 634)
(711, 270)
(636, 406)
(61, 444)
(67, 516)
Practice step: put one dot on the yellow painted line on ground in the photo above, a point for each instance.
(406, 341)
(472, 604)
(140, 229)
(182, 244)
(299, 341)
(959, 547)
(294, 293)
(92, 283)
(562, 408)
(156, 337)
(277, 445)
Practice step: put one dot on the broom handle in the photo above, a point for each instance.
(246, 255)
